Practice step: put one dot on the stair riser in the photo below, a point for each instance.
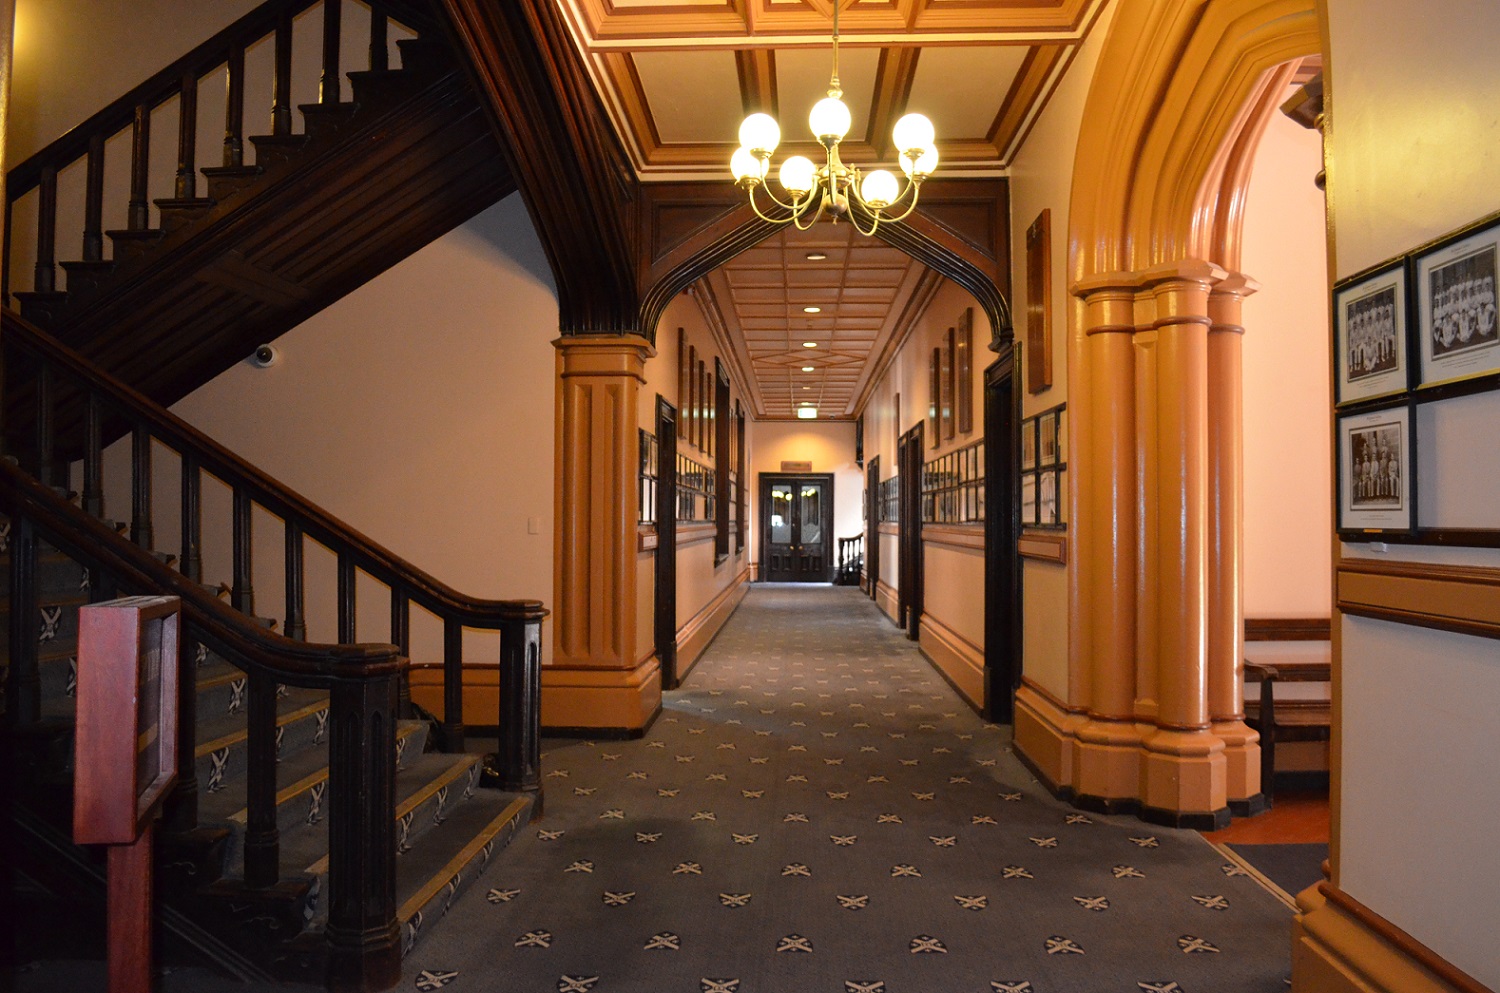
(57, 578)
(221, 188)
(433, 811)
(56, 622)
(224, 768)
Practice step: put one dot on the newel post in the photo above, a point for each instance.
(517, 765)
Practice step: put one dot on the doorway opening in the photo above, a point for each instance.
(796, 512)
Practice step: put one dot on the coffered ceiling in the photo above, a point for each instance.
(677, 76)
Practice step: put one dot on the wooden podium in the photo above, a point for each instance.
(126, 760)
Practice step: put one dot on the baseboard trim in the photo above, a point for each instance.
(1304, 781)
(1058, 791)
(602, 734)
(1107, 804)
(1250, 806)
(887, 599)
(1209, 820)
(694, 637)
(956, 658)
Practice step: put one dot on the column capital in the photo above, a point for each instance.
(1182, 271)
(604, 355)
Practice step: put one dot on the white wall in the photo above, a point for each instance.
(419, 409)
(1286, 379)
(1042, 178)
(1414, 104)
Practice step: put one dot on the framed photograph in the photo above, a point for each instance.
(934, 396)
(1039, 303)
(1047, 498)
(1028, 498)
(945, 408)
(1377, 491)
(1047, 444)
(1455, 294)
(1028, 443)
(1370, 335)
(1062, 435)
(963, 359)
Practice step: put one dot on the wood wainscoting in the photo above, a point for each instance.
(695, 636)
(960, 661)
(888, 600)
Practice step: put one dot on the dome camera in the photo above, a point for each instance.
(265, 356)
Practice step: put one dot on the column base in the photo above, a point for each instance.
(1183, 780)
(1044, 738)
(1241, 764)
(1338, 949)
(1107, 764)
(601, 702)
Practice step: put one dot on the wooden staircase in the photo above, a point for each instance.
(262, 241)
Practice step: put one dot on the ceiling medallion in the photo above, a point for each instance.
(832, 187)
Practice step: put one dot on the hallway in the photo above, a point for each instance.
(816, 810)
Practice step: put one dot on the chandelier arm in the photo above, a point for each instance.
(817, 216)
(874, 222)
(910, 207)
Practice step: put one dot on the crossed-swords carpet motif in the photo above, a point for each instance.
(817, 810)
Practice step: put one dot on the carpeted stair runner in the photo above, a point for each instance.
(818, 811)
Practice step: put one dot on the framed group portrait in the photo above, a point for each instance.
(1370, 318)
(1456, 306)
(1376, 473)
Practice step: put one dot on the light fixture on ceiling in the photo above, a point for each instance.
(807, 368)
(834, 187)
(812, 310)
(809, 344)
(816, 256)
(807, 413)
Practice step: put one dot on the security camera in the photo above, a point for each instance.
(265, 356)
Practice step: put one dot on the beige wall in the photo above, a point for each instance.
(829, 446)
(1286, 379)
(1042, 179)
(418, 409)
(1414, 105)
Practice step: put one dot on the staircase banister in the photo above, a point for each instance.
(162, 85)
(276, 497)
(224, 629)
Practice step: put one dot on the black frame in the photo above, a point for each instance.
(1388, 276)
(1046, 468)
(1405, 410)
(769, 479)
(1464, 379)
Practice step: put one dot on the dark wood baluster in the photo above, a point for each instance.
(346, 595)
(93, 458)
(24, 685)
(281, 95)
(5, 254)
(191, 563)
(187, 137)
(46, 232)
(296, 613)
(181, 813)
(242, 595)
(141, 530)
(262, 841)
(46, 460)
(140, 170)
(380, 57)
(363, 935)
(517, 766)
(234, 109)
(93, 202)
(401, 638)
(453, 685)
(328, 91)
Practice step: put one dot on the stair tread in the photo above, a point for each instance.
(227, 730)
(88, 265)
(232, 171)
(423, 873)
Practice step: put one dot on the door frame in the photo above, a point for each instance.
(1003, 588)
(665, 621)
(769, 479)
(872, 528)
(909, 604)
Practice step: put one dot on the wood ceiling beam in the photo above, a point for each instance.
(571, 169)
(757, 68)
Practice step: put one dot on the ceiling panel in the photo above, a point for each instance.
(697, 113)
(962, 89)
(802, 80)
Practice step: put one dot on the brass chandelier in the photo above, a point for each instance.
(830, 188)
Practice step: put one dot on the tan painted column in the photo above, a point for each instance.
(1183, 769)
(1106, 768)
(7, 42)
(598, 677)
(1226, 574)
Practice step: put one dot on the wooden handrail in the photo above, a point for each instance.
(317, 523)
(163, 85)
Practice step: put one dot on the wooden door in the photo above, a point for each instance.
(909, 466)
(1002, 561)
(872, 528)
(796, 514)
(666, 542)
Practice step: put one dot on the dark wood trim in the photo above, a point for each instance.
(764, 483)
(909, 461)
(1043, 546)
(563, 152)
(1288, 629)
(1428, 958)
(1004, 622)
(721, 428)
(664, 621)
(872, 526)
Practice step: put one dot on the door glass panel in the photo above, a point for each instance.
(812, 515)
(781, 514)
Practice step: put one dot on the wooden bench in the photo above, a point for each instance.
(1286, 720)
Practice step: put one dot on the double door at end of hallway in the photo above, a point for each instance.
(796, 528)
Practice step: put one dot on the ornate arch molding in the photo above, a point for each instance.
(1165, 105)
(688, 230)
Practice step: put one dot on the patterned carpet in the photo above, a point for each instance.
(817, 810)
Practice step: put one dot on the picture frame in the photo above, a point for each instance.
(1038, 355)
(690, 398)
(1454, 287)
(945, 408)
(1377, 490)
(1062, 435)
(1047, 440)
(963, 360)
(1047, 498)
(1028, 444)
(935, 388)
(1028, 498)
(1371, 337)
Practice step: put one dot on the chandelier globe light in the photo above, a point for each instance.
(831, 187)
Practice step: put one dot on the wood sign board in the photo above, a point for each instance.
(126, 746)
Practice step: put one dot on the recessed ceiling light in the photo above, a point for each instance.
(807, 368)
(807, 387)
(812, 310)
(816, 256)
(809, 344)
(807, 413)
